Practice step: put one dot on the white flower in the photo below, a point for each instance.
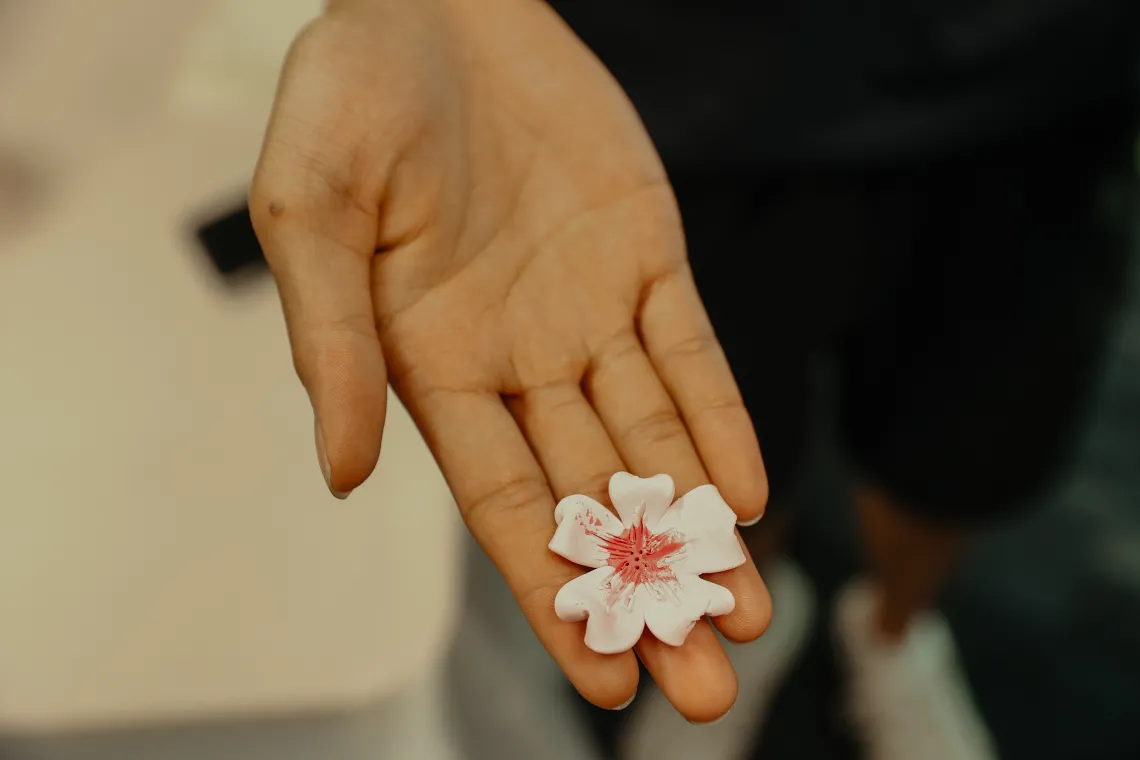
(647, 564)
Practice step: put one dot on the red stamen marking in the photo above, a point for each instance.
(638, 557)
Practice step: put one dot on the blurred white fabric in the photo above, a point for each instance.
(168, 549)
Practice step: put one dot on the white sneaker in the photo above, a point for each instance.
(910, 700)
(658, 732)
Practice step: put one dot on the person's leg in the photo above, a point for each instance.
(910, 559)
(757, 254)
(964, 390)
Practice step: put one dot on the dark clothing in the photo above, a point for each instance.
(762, 83)
(936, 195)
(965, 303)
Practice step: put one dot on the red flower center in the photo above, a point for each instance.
(639, 558)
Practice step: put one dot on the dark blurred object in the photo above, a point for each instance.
(232, 245)
(780, 94)
(769, 84)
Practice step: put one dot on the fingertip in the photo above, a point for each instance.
(607, 681)
(323, 461)
(352, 450)
(750, 619)
(714, 703)
(752, 614)
(745, 488)
(714, 721)
(624, 704)
(350, 407)
(615, 696)
(697, 677)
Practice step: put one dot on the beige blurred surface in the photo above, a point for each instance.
(77, 76)
(167, 548)
(74, 74)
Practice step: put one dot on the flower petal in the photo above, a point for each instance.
(582, 526)
(629, 492)
(708, 526)
(609, 628)
(672, 618)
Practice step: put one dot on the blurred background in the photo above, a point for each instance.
(176, 584)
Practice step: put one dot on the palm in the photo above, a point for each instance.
(514, 248)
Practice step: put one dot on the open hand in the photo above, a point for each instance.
(457, 199)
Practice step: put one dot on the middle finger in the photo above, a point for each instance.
(651, 437)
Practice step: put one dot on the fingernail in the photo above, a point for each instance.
(711, 722)
(323, 459)
(750, 523)
(625, 704)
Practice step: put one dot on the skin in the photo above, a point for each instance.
(909, 559)
(457, 199)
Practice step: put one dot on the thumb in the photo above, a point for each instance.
(319, 237)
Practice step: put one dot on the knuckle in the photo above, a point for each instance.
(263, 205)
(698, 345)
(335, 342)
(719, 406)
(554, 399)
(619, 345)
(656, 428)
(312, 186)
(315, 162)
(612, 353)
(326, 42)
(595, 485)
(345, 327)
(313, 327)
(337, 180)
(514, 496)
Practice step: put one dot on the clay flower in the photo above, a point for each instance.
(647, 564)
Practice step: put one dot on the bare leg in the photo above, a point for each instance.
(910, 560)
(907, 696)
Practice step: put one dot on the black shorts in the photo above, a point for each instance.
(966, 304)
